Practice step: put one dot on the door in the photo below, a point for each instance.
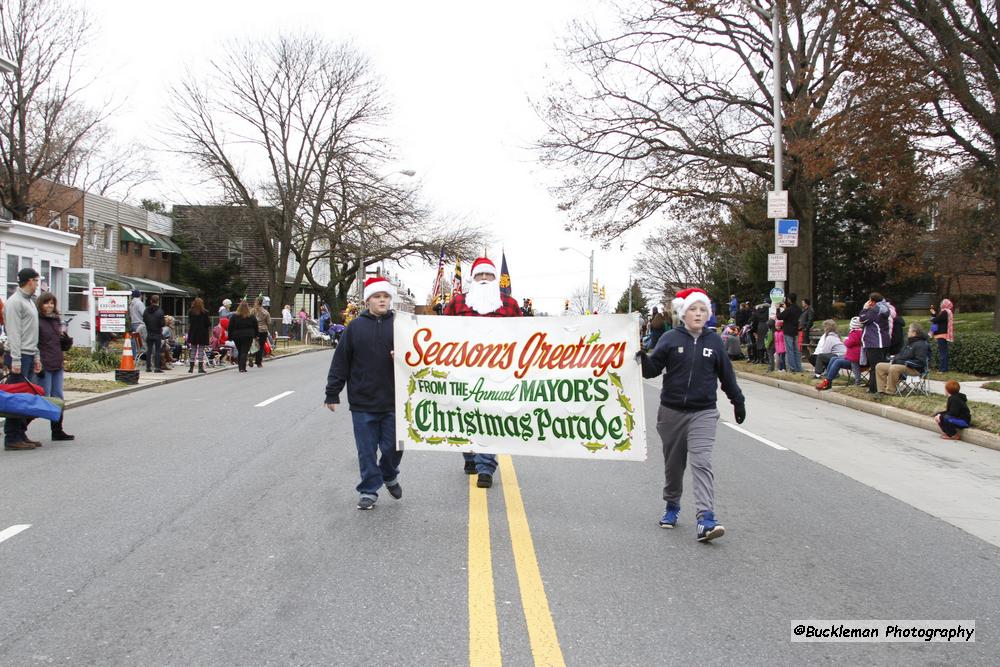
(79, 312)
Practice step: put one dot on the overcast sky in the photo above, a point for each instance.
(459, 76)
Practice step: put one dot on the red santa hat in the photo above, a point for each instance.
(483, 265)
(691, 296)
(378, 284)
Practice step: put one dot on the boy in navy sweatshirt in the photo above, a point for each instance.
(693, 361)
(363, 361)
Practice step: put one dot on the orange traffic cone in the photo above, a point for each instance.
(127, 373)
(128, 361)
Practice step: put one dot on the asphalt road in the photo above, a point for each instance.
(185, 526)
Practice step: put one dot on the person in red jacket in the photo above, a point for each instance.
(484, 299)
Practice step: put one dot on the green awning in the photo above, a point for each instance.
(129, 234)
(163, 244)
(145, 285)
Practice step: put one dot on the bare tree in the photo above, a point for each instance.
(673, 258)
(957, 42)
(672, 114)
(45, 130)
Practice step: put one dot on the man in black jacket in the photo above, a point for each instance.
(911, 360)
(790, 315)
(363, 361)
(692, 361)
(153, 318)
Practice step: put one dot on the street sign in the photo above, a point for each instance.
(777, 204)
(787, 233)
(777, 270)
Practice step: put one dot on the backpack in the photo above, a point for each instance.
(896, 338)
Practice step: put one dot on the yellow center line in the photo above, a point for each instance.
(484, 631)
(541, 628)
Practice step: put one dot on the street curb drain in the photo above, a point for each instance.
(971, 436)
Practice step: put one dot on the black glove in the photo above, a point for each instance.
(740, 411)
(639, 355)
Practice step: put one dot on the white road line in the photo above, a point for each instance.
(755, 436)
(8, 533)
(273, 399)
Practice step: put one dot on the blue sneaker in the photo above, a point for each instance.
(669, 519)
(708, 528)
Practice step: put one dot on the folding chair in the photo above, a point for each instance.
(910, 385)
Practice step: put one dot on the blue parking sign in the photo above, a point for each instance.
(788, 233)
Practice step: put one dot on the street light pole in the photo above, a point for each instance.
(590, 292)
(776, 94)
(7, 67)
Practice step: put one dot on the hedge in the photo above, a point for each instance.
(977, 353)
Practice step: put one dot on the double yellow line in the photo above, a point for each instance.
(484, 631)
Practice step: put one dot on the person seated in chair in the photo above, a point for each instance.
(911, 360)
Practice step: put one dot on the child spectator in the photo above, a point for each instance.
(851, 358)
(363, 361)
(692, 361)
(780, 346)
(956, 416)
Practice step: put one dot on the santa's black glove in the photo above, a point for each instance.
(639, 355)
(740, 411)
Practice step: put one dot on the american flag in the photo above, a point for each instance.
(438, 278)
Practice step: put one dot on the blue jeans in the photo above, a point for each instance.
(485, 463)
(375, 433)
(153, 352)
(135, 344)
(52, 382)
(793, 358)
(837, 364)
(15, 429)
(943, 355)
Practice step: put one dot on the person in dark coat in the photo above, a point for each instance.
(199, 334)
(242, 331)
(957, 415)
(50, 334)
(154, 319)
(912, 360)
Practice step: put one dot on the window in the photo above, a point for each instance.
(15, 264)
(109, 237)
(152, 253)
(54, 220)
(123, 247)
(91, 233)
(30, 215)
(166, 256)
(74, 223)
(45, 285)
(236, 251)
(137, 249)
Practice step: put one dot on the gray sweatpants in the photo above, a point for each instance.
(688, 434)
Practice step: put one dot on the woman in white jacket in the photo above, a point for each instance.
(830, 346)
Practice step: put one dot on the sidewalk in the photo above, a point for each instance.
(146, 380)
(973, 391)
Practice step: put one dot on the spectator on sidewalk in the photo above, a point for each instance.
(734, 305)
(777, 359)
(875, 335)
(957, 415)
(806, 320)
(363, 362)
(154, 319)
(943, 330)
(21, 357)
(242, 331)
(224, 311)
(171, 347)
(851, 358)
(286, 320)
(136, 309)
(263, 329)
(50, 349)
(657, 327)
(789, 316)
(199, 335)
(911, 360)
(758, 334)
(692, 362)
(828, 347)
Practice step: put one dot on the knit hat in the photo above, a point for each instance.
(483, 265)
(855, 323)
(691, 296)
(378, 284)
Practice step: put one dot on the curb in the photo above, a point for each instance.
(97, 398)
(972, 436)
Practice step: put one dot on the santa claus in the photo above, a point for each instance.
(483, 299)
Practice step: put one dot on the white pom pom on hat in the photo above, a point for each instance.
(378, 284)
(691, 296)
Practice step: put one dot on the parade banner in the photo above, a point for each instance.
(541, 386)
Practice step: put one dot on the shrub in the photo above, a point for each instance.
(977, 353)
(82, 360)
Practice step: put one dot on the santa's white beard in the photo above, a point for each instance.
(484, 296)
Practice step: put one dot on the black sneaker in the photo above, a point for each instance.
(366, 503)
(470, 467)
(485, 480)
(396, 490)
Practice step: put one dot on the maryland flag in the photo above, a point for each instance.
(456, 283)
(504, 275)
(438, 279)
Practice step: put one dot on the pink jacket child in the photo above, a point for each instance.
(779, 340)
(853, 345)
